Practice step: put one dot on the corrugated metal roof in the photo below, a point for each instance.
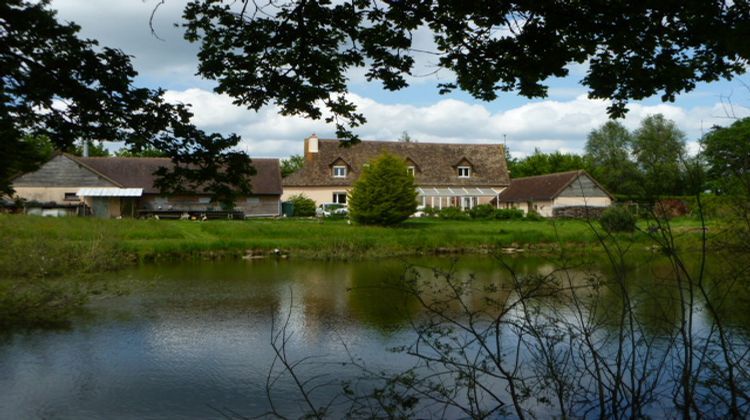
(458, 192)
(110, 192)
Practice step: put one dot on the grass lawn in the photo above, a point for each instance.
(154, 239)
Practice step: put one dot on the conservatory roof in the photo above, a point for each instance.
(458, 192)
(110, 192)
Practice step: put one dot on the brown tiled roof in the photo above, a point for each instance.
(435, 163)
(134, 172)
(540, 187)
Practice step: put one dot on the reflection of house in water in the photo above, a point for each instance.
(320, 296)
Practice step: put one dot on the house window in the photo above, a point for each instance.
(253, 200)
(410, 170)
(204, 200)
(339, 171)
(71, 196)
(464, 171)
(339, 197)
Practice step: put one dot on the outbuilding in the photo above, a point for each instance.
(125, 187)
(558, 194)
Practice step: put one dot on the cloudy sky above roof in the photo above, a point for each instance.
(560, 122)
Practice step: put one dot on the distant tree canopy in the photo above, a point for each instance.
(659, 150)
(44, 64)
(298, 54)
(546, 163)
(650, 161)
(96, 149)
(609, 155)
(291, 165)
(727, 154)
(147, 151)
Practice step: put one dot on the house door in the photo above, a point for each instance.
(467, 203)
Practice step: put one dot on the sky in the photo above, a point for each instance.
(559, 122)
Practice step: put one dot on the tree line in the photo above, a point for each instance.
(651, 160)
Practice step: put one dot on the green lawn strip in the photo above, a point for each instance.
(152, 239)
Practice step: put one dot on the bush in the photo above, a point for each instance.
(303, 206)
(452, 213)
(431, 211)
(534, 216)
(482, 211)
(508, 214)
(617, 219)
(384, 194)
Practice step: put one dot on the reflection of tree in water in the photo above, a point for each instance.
(377, 296)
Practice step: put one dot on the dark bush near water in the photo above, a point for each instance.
(617, 219)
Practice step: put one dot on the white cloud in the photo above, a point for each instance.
(548, 125)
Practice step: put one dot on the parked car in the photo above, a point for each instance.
(420, 212)
(331, 209)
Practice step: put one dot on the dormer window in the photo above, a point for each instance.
(339, 171)
(464, 171)
(410, 170)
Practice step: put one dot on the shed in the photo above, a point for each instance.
(547, 193)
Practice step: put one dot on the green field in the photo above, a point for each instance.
(313, 238)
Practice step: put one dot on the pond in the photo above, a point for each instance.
(194, 340)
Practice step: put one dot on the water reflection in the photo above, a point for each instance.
(192, 337)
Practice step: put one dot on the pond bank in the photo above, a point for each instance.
(45, 247)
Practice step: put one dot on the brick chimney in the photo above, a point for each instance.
(311, 147)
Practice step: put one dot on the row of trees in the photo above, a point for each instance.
(651, 160)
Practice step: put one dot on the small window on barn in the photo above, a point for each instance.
(71, 196)
(339, 171)
(204, 200)
(253, 200)
(464, 171)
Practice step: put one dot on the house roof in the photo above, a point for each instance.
(435, 163)
(136, 172)
(541, 187)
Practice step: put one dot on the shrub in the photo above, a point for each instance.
(431, 211)
(533, 216)
(482, 211)
(508, 214)
(617, 219)
(452, 213)
(303, 206)
(384, 194)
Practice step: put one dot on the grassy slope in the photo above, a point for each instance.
(303, 237)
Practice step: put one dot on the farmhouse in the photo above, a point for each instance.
(120, 186)
(446, 175)
(557, 194)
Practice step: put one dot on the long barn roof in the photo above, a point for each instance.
(136, 172)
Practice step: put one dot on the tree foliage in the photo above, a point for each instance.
(291, 165)
(609, 152)
(541, 163)
(146, 151)
(303, 205)
(96, 149)
(297, 54)
(58, 85)
(384, 194)
(659, 151)
(727, 153)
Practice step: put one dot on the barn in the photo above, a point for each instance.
(556, 194)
